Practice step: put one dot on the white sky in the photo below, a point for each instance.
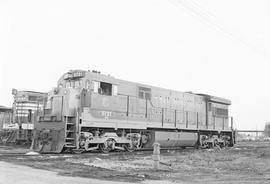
(165, 43)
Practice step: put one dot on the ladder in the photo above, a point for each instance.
(70, 132)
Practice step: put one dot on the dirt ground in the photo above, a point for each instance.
(247, 162)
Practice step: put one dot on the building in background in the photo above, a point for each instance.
(17, 123)
(5, 116)
(267, 129)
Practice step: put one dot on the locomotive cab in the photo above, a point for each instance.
(60, 125)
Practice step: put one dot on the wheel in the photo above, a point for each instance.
(215, 143)
(107, 146)
(223, 144)
(39, 145)
(129, 147)
(135, 142)
(103, 148)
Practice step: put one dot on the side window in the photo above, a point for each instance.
(144, 93)
(104, 88)
(221, 112)
(115, 90)
(96, 86)
(148, 96)
(141, 94)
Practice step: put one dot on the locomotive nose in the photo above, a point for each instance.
(47, 140)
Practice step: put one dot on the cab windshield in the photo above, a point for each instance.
(73, 83)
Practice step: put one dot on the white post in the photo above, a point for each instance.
(156, 155)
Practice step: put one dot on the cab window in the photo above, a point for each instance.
(74, 84)
(104, 88)
(77, 83)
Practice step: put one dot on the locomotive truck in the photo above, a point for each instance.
(90, 111)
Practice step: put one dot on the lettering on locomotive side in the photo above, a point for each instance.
(105, 102)
(106, 113)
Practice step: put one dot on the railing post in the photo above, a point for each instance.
(175, 118)
(162, 116)
(127, 105)
(146, 106)
(214, 122)
(223, 123)
(232, 123)
(187, 119)
(197, 120)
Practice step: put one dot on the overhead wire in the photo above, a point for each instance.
(196, 10)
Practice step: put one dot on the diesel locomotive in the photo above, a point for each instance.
(90, 111)
(18, 127)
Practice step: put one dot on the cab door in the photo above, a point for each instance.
(85, 98)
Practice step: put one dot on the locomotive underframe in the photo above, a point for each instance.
(54, 137)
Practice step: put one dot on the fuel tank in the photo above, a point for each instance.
(173, 139)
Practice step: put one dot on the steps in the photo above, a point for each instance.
(70, 132)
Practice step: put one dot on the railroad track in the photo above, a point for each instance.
(85, 154)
